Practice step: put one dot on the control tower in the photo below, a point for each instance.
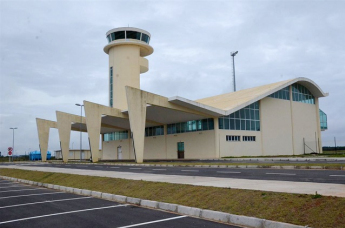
(127, 47)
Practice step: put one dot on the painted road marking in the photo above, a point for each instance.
(16, 186)
(48, 193)
(187, 170)
(226, 172)
(47, 201)
(337, 175)
(145, 223)
(67, 165)
(6, 183)
(288, 174)
(26, 189)
(160, 169)
(82, 166)
(135, 168)
(114, 167)
(62, 213)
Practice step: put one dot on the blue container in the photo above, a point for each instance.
(36, 155)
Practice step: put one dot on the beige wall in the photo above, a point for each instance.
(155, 147)
(276, 126)
(233, 148)
(110, 149)
(199, 144)
(304, 119)
(125, 60)
(75, 154)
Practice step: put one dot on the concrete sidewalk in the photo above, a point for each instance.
(262, 185)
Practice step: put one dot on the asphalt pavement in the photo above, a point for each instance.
(295, 175)
(31, 206)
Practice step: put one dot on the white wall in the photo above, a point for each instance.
(241, 148)
(276, 126)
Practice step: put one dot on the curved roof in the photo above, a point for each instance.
(231, 102)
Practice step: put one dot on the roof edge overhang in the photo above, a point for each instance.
(311, 85)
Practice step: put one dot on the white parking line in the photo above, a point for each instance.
(226, 172)
(67, 165)
(159, 169)
(62, 213)
(187, 170)
(81, 166)
(288, 174)
(47, 201)
(135, 168)
(145, 223)
(337, 175)
(7, 183)
(114, 167)
(48, 193)
(26, 189)
(16, 186)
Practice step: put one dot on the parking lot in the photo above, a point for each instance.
(31, 206)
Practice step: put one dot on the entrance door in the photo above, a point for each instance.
(180, 150)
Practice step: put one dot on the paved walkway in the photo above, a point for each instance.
(262, 185)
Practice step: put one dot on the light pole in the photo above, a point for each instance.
(9, 158)
(233, 68)
(81, 119)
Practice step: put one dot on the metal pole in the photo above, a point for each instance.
(233, 68)
(9, 157)
(81, 113)
(233, 72)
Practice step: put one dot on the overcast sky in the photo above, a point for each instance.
(52, 55)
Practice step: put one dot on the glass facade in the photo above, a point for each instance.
(111, 87)
(116, 136)
(302, 94)
(323, 120)
(189, 126)
(282, 94)
(154, 131)
(128, 35)
(245, 119)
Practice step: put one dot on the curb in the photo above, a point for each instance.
(180, 209)
(325, 167)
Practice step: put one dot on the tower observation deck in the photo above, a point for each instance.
(127, 47)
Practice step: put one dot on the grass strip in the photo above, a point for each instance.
(301, 209)
(335, 166)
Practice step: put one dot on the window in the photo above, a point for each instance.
(282, 94)
(233, 138)
(116, 136)
(246, 119)
(119, 35)
(248, 138)
(108, 37)
(189, 126)
(302, 94)
(145, 38)
(154, 131)
(111, 87)
(323, 120)
(133, 35)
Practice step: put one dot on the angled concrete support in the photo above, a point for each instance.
(64, 125)
(93, 114)
(43, 127)
(136, 101)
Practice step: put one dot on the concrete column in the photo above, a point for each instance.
(216, 138)
(64, 127)
(93, 118)
(318, 124)
(43, 127)
(136, 101)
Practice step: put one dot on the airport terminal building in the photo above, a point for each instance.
(282, 118)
